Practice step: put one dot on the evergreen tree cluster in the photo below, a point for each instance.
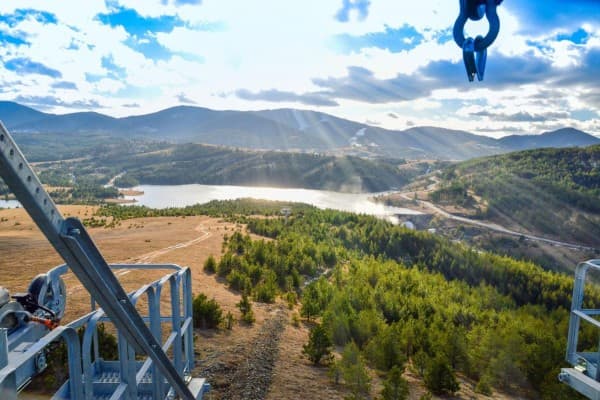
(407, 298)
(393, 299)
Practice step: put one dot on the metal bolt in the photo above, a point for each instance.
(74, 231)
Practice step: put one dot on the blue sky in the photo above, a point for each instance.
(385, 62)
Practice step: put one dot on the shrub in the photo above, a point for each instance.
(395, 387)
(292, 299)
(245, 307)
(207, 313)
(265, 293)
(318, 346)
(295, 320)
(210, 265)
(229, 320)
(239, 281)
(439, 377)
(354, 372)
(483, 386)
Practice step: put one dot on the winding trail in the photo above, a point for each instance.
(495, 227)
(112, 180)
(148, 257)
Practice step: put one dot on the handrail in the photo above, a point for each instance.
(72, 242)
(584, 377)
(69, 334)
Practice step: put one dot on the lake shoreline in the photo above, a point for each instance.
(178, 196)
(168, 196)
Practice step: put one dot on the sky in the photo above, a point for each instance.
(389, 63)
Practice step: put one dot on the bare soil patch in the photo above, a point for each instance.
(131, 192)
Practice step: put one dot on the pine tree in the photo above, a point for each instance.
(355, 375)
(310, 302)
(207, 313)
(319, 344)
(439, 377)
(245, 307)
(210, 265)
(395, 387)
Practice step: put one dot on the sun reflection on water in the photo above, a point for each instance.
(156, 196)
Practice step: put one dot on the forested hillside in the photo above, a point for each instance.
(395, 298)
(193, 163)
(554, 192)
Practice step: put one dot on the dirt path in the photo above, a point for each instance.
(496, 227)
(111, 181)
(148, 257)
(246, 370)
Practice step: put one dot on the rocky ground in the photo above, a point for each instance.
(246, 371)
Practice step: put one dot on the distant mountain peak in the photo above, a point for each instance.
(566, 131)
(564, 137)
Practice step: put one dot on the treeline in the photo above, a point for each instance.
(79, 145)
(524, 282)
(549, 191)
(196, 163)
(81, 179)
(66, 190)
(455, 192)
(234, 210)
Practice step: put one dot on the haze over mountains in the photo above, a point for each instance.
(287, 130)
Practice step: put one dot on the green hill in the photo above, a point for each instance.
(194, 163)
(553, 192)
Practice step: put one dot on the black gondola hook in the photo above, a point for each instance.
(475, 50)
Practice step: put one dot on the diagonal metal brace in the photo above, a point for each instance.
(74, 245)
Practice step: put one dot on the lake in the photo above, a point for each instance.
(156, 196)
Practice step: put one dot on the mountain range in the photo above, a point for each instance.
(284, 129)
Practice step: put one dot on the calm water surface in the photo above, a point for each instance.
(156, 196)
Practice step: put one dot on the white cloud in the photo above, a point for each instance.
(273, 44)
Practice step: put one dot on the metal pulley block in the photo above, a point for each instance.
(44, 302)
(49, 293)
